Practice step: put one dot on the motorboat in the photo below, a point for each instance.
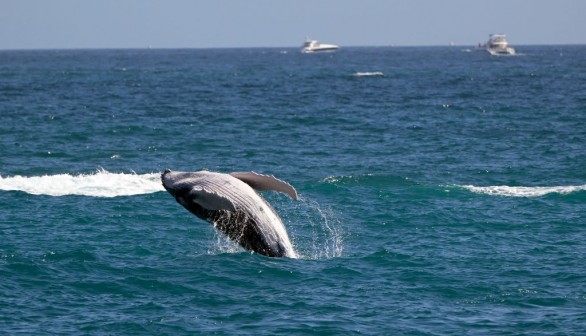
(497, 45)
(311, 46)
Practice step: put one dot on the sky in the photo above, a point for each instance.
(82, 24)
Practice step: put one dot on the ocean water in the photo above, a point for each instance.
(442, 191)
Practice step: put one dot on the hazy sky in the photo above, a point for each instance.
(41, 24)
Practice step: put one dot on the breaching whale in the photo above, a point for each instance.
(230, 204)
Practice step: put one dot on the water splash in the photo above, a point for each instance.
(99, 184)
(321, 236)
(223, 244)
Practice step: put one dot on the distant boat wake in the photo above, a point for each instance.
(99, 184)
(369, 74)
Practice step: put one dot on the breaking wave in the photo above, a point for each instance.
(99, 184)
(524, 191)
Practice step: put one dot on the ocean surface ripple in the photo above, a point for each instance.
(442, 192)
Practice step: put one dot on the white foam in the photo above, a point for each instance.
(99, 184)
(369, 74)
(524, 191)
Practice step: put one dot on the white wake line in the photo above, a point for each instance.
(369, 74)
(524, 191)
(99, 184)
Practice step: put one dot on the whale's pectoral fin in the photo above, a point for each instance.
(210, 200)
(266, 182)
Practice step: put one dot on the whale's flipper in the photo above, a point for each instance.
(266, 182)
(211, 200)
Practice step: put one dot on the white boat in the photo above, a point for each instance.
(497, 45)
(311, 46)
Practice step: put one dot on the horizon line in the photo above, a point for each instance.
(276, 47)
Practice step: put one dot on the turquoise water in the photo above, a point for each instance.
(442, 191)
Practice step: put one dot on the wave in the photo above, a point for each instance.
(390, 181)
(369, 74)
(524, 191)
(99, 184)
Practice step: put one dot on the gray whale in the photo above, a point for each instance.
(230, 204)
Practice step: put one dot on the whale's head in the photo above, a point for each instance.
(167, 177)
(196, 189)
(177, 184)
(170, 181)
(174, 181)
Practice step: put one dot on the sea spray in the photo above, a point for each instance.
(315, 230)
